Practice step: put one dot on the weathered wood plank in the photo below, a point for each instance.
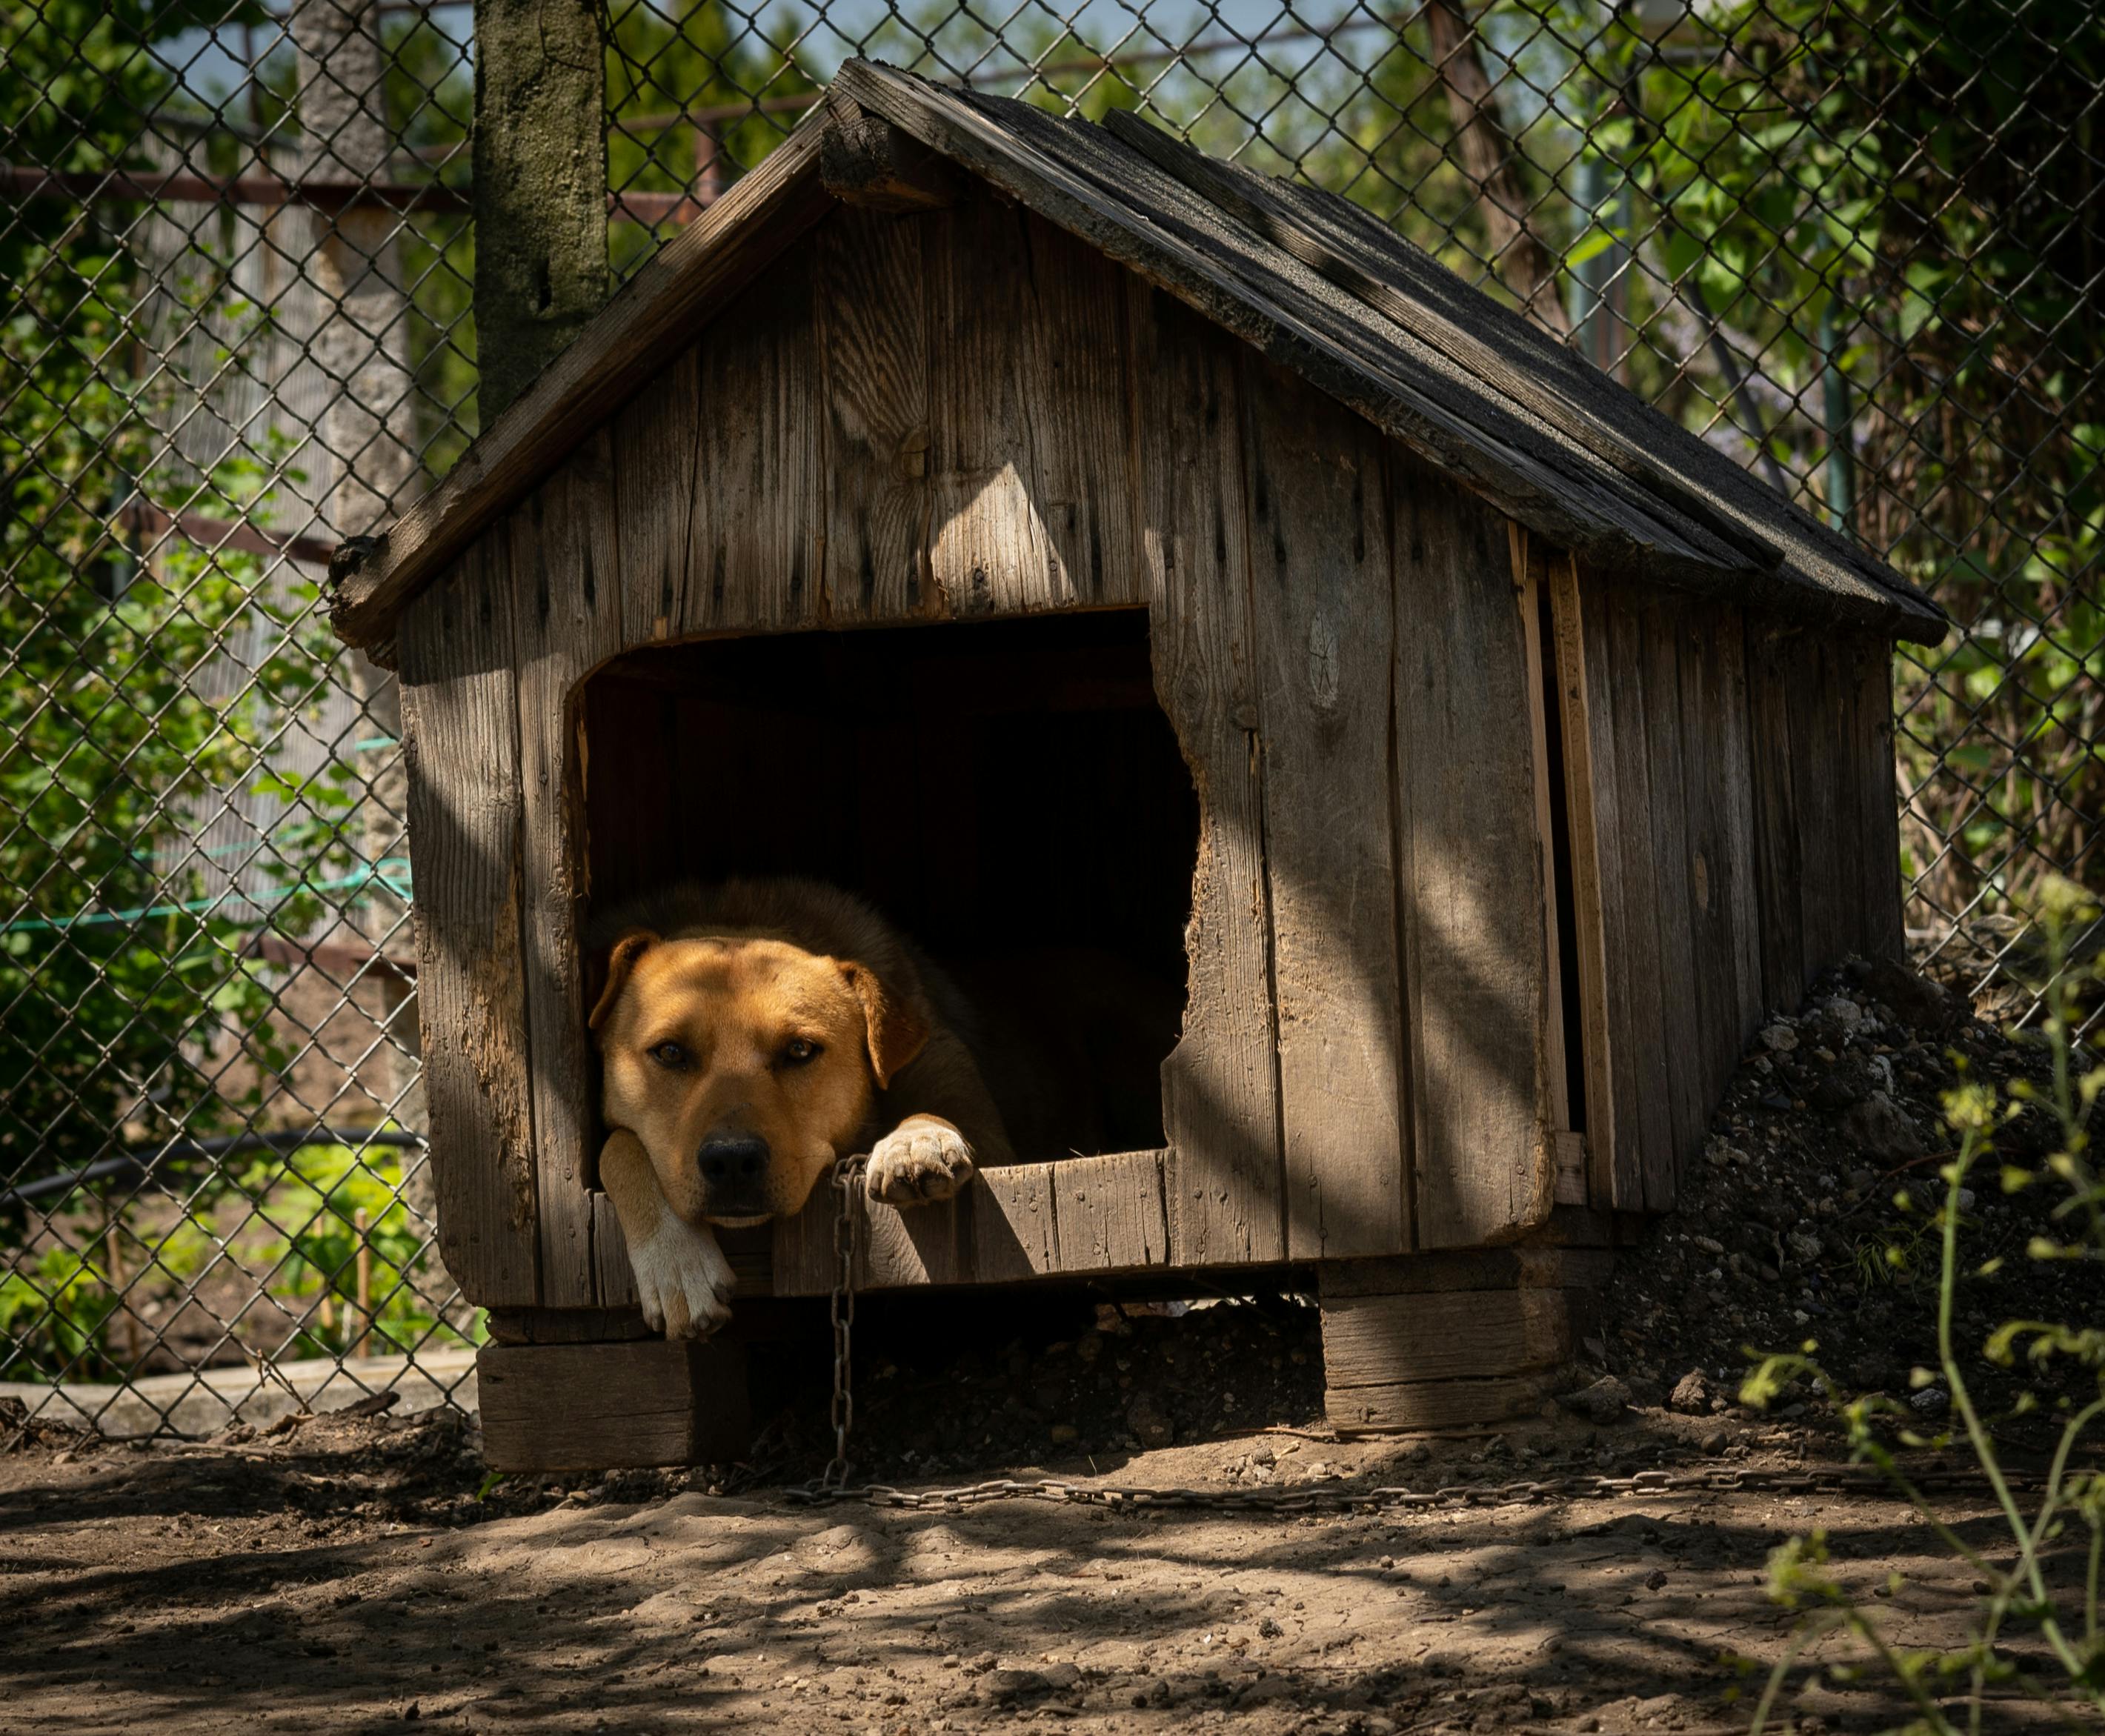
(1405, 1406)
(1108, 1212)
(461, 725)
(1469, 861)
(1590, 823)
(1568, 1154)
(1710, 764)
(870, 164)
(1780, 865)
(608, 1406)
(1530, 581)
(1220, 1085)
(1031, 490)
(1728, 710)
(755, 511)
(1878, 799)
(565, 561)
(655, 445)
(874, 316)
(670, 296)
(1682, 1067)
(1593, 825)
(613, 1277)
(1081, 1214)
(1827, 829)
(1379, 1340)
(1014, 1232)
(1644, 1046)
(1532, 1266)
(1324, 610)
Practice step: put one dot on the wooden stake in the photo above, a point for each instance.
(364, 1285)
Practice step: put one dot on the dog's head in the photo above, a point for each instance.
(744, 1066)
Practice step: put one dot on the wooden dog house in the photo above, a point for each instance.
(1047, 529)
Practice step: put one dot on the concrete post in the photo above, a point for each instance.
(540, 186)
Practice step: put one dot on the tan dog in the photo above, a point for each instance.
(751, 1033)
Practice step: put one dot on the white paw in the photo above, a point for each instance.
(682, 1280)
(918, 1161)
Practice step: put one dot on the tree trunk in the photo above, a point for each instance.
(1488, 156)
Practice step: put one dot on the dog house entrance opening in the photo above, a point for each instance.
(1008, 794)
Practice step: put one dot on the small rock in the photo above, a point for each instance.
(1713, 1443)
(1932, 1401)
(1268, 1629)
(1920, 1004)
(1879, 1128)
(1018, 1685)
(1150, 1422)
(1603, 1401)
(1844, 1012)
(1692, 1394)
(1871, 1371)
(1776, 1101)
(1655, 1579)
(1779, 1038)
(1709, 1244)
(1805, 1248)
(1065, 1433)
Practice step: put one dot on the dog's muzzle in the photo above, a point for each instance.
(734, 1176)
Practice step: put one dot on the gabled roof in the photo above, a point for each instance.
(1315, 283)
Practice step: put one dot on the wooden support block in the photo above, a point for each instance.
(866, 161)
(1376, 1341)
(1402, 1406)
(612, 1407)
(1445, 1340)
(1523, 1266)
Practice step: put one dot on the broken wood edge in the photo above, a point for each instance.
(865, 160)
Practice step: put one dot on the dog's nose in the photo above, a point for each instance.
(735, 1161)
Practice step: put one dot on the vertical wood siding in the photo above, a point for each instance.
(965, 414)
(1743, 836)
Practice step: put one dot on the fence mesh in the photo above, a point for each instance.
(1858, 245)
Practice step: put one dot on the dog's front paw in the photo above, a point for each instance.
(682, 1280)
(919, 1161)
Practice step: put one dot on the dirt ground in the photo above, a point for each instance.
(342, 1575)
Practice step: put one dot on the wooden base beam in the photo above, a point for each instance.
(613, 1407)
(1444, 1340)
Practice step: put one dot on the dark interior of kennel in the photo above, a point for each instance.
(995, 790)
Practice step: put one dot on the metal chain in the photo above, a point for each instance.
(847, 1179)
(1648, 1485)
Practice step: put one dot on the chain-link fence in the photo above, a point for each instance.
(1858, 245)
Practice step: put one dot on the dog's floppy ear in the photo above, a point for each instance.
(620, 960)
(898, 1031)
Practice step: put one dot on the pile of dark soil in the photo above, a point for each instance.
(1809, 1217)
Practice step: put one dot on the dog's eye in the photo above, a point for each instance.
(669, 1054)
(798, 1050)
